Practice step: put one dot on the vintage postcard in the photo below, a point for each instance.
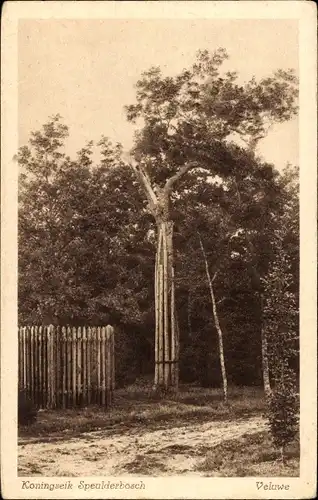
(158, 250)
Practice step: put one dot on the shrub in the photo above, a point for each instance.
(281, 329)
(27, 411)
(283, 410)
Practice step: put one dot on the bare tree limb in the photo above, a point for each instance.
(146, 184)
(181, 172)
(214, 275)
(221, 300)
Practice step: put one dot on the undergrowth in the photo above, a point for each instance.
(134, 407)
(261, 458)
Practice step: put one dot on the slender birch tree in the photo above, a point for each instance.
(216, 319)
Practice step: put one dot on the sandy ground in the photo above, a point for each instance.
(176, 450)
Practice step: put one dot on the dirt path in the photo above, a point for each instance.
(176, 450)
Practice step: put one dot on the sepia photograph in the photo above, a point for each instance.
(158, 250)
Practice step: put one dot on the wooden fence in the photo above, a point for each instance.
(63, 367)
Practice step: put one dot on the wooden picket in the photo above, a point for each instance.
(63, 367)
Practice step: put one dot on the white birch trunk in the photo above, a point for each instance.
(265, 363)
(216, 322)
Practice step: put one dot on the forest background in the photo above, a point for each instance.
(87, 239)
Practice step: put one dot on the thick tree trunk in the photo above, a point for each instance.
(166, 330)
(166, 338)
(216, 322)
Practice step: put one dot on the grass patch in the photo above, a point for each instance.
(177, 448)
(145, 465)
(138, 407)
(261, 458)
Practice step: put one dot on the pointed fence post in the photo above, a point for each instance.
(51, 367)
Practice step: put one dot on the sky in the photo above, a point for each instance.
(86, 70)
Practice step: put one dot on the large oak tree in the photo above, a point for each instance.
(195, 120)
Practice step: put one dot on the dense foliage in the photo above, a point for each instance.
(87, 240)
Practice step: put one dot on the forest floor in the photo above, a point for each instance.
(192, 433)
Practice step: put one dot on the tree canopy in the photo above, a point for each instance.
(87, 239)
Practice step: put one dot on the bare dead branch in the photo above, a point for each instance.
(181, 172)
(146, 184)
